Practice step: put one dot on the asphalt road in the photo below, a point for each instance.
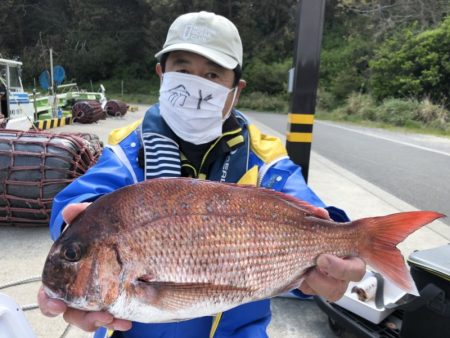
(414, 168)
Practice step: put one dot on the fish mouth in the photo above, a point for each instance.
(77, 303)
(52, 294)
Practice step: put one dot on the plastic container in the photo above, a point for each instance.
(13, 323)
(430, 270)
(368, 309)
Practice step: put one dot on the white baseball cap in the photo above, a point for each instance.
(210, 35)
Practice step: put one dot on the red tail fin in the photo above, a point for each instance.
(382, 234)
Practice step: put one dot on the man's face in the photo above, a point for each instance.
(194, 64)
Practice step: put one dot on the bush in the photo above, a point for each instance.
(361, 105)
(344, 65)
(432, 113)
(438, 125)
(270, 78)
(326, 101)
(413, 113)
(263, 102)
(345, 82)
(409, 113)
(414, 64)
(397, 112)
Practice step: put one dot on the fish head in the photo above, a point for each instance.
(83, 271)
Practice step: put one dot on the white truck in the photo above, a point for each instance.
(16, 108)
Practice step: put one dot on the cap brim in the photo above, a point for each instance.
(220, 58)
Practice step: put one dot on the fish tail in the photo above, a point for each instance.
(382, 234)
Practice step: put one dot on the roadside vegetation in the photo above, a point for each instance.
(383, 62)
(417, 116)
(400, 80)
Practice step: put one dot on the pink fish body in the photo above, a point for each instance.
(173, 249)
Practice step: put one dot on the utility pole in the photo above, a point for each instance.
(52, 96)
(310, 17)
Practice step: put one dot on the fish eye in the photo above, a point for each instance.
(72, 252)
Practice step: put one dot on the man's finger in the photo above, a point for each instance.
(72, 210)
(87, 321)
(121, 325)
(328, 287)
(49, 307)
(306, 289)
(348, 269)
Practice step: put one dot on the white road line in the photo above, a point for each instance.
(385, 138)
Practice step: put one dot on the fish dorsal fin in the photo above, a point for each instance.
(313, 210)
(270, 193)
(308, 207)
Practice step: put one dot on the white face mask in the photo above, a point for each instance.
(193, 106)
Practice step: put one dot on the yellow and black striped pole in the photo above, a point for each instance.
(306, 78)
(53, 123)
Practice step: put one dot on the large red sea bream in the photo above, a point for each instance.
(173, 249)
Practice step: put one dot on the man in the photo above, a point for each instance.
(195, 131)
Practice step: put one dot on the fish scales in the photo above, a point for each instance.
(212, 253)
(174, 249)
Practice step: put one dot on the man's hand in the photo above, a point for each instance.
(87, 321)
(331, 276)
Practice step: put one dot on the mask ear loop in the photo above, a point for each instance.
(227, 115)
(161, 79)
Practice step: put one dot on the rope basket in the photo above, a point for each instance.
(88, 111)
(116, 108)
(34, 167)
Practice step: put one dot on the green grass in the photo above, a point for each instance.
(248, 101)
(130, 90)
(258, 101)
(408, 114)
(147, 99)
(409, 128)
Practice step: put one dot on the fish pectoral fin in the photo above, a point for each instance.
(173, 296)
(147, 278)
(165, 285)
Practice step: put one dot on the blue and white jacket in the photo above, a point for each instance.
(247, 156)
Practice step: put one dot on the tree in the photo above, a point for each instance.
(413, 64)
(386, 15)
